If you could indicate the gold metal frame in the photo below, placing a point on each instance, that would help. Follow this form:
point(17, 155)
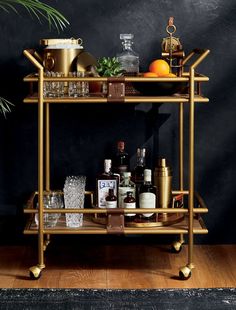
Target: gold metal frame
point(190, 77)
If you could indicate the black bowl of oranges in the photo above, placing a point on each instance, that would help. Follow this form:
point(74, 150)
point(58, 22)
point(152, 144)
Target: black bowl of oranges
point(159, 68)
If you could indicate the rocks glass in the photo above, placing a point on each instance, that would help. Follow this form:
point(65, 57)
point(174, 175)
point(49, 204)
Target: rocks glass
point(53, 89)
point(80, 88)
point(52, 200)
point(74, 191)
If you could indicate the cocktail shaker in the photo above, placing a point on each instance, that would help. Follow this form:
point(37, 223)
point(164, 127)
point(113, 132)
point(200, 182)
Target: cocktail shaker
point(163, 182)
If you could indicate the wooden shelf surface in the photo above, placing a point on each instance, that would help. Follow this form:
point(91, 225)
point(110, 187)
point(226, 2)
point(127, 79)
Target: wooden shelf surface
point(90, 227)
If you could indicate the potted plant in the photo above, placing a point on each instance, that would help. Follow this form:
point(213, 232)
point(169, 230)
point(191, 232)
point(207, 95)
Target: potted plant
point(40, 11)
point(108, 67)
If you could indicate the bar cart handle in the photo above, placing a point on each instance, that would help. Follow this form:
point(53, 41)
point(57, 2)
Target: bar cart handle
point(201, 54)
point(31, 54)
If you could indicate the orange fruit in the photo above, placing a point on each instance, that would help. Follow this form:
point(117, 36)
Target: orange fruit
point(170, 75)
point(150, 74)
point(160, 67)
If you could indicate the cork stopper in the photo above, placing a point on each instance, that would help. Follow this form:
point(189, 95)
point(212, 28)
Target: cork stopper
point(121, 145)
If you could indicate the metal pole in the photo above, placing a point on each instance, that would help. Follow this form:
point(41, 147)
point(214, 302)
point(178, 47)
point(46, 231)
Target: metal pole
point(181, 153)
point(191, 169)
point(47, 145)
point(40, 169)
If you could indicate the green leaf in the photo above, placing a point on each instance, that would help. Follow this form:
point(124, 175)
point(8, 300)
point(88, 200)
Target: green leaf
point(5, 106)
point(39, 10)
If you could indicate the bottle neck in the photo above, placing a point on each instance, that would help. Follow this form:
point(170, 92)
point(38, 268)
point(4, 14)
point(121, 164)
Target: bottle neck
point(141, 161)
point(126, 181)
point(121, 150)
point(147, 176)
point(107, 167)
point(121, 146)
point(127, 45)
point(147, 182)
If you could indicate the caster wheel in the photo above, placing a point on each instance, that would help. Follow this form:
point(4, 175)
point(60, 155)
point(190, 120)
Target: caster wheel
point(185, 273)
point(176, 247)
point(35, 272)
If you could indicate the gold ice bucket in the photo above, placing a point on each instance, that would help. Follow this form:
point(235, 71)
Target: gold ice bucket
point(66, 55)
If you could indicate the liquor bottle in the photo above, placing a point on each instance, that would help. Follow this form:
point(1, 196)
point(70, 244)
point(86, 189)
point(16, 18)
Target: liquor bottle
point(125, 186)
point(111, 199)
point(138, 173)
point(128, 58)
point(129, 203)
point(147, 195)
point(104, 182)
point(121, 160)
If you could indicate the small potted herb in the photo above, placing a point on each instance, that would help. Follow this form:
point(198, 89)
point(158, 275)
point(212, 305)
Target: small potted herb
point(108, 67)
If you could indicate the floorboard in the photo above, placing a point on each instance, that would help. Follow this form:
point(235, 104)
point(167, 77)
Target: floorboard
point(128, 266)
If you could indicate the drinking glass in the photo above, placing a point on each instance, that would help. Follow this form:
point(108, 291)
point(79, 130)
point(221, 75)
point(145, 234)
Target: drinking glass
point(78, 88)
point(53, 88)
point(74, 191)
point(49, 219)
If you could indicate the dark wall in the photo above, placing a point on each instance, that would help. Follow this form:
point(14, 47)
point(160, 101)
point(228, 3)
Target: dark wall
point(83, 135)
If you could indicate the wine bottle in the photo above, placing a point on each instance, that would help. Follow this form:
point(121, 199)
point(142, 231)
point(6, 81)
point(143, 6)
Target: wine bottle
point(138, 173)
point(147, 194)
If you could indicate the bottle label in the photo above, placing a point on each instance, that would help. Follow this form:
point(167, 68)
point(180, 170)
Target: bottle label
point(123, 193)
point(147, 200)
point(103, 191)
point(130, 205)
point(111, 204)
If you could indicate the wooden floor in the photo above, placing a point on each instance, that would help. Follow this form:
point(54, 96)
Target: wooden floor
point(118, 266)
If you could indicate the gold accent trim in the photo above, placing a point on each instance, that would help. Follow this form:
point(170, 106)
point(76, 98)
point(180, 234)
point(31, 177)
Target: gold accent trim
point(170, 220)
point(127, 99)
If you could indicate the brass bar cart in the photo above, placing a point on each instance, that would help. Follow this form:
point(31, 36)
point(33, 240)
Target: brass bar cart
point(191, 223)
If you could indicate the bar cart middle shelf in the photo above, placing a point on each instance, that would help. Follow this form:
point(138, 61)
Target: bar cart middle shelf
point(191, 222)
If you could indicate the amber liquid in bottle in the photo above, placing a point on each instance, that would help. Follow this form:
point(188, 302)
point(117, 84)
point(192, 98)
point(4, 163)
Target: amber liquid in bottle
point(111, 199)
point(121, 160)
point(130, 203)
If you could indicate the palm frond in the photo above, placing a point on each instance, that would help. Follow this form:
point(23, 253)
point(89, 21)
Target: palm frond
point(5, 106)
point(39, 10)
